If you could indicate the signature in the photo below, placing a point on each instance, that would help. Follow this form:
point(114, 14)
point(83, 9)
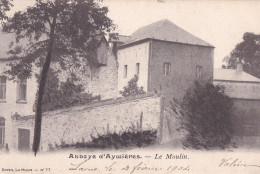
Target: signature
point(235, 162)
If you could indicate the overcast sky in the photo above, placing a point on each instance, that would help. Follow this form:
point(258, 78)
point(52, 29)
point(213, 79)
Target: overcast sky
point(220, 23)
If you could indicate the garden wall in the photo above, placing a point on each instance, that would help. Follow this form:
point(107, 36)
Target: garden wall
point(71, 125)
point(247, 112)
point(247, 122)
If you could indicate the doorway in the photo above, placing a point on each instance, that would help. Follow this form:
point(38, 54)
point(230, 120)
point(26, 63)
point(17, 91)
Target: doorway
point(23, 139)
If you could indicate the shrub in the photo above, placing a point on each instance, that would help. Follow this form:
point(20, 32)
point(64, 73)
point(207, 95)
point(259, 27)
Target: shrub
point(127, 139)
point(132, 88)
point(207, 117)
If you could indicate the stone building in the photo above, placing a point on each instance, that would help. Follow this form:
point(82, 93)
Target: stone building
point(166, 58)
point(102, 77)
point(17, 97)
point(99, 78)
point(244, 89)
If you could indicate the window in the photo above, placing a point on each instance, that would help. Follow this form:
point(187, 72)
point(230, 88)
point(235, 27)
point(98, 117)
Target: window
point(2, 130)
point(199, 72)
point(166, 69)
point(125, 71)
point(22, 88)
point(94, 72)
point(2, 88)
point(137, 69)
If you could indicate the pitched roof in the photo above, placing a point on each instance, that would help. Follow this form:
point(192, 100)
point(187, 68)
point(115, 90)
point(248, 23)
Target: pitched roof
point(119, 38)
point(167, 31)
point(233, 75)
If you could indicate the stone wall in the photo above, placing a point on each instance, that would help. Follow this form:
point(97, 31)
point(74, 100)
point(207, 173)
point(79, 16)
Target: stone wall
point(103, 80)
point(246, 98)
point(247, 122)
point(240, 89)
point(247, 112)
point(98, 80)
point(72, 124)
point(183, 59)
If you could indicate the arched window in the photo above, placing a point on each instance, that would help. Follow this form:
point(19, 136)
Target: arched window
point(2, 130)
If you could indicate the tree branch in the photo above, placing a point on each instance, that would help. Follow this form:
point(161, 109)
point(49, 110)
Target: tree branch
point(32, 45)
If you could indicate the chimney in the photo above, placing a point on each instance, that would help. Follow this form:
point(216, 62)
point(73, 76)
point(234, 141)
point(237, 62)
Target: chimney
point(239, 68)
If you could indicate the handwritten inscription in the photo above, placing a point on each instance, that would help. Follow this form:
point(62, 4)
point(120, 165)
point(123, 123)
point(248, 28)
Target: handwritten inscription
point(121, 164)
point(149, 163)
point(131, 169)
point(234, 162)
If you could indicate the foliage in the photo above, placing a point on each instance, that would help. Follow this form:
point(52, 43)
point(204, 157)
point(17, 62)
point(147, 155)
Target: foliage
point(246, 52)
point(75, 38)
point(64, 32)
point(5, 6)
point(128, 139)
point(122, 140)
point(58, 95)
point(132, 88)
point(207, 117)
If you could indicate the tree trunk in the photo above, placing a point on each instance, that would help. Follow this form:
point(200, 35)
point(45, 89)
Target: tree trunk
point(43, 77)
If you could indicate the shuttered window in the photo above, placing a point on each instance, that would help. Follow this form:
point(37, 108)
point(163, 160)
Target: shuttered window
point(22, 89)
point(2, 87)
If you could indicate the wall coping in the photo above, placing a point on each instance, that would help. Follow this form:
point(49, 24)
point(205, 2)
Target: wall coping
point(92, 105)
point(248, 99)
point(235, 81)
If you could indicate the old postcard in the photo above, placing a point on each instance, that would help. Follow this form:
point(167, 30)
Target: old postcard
point(129, 87)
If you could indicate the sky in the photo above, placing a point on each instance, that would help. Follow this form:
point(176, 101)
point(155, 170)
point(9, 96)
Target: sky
point(220, 23)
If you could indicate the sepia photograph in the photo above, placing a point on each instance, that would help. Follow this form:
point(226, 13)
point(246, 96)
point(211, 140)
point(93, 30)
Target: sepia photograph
point(129, 87)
